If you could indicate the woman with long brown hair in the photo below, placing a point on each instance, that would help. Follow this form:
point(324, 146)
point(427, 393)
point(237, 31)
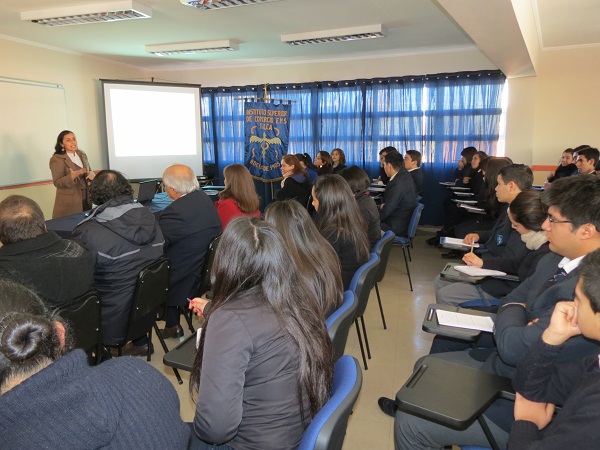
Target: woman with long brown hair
point(239, 197)
point(323, 162)
point(315, 258)
point(341, 224)
point(264, 365)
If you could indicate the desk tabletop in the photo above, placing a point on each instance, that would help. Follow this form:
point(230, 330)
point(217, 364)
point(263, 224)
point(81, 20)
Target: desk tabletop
point(182, 356)
point(451, 394)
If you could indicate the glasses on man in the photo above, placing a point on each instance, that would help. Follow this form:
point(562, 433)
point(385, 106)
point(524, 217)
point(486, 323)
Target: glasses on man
point(552, 219)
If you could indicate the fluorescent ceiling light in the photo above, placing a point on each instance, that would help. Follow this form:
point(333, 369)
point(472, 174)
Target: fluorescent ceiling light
point(338, 35)
point(88, 13)
point(188, 48)
point(220, 4)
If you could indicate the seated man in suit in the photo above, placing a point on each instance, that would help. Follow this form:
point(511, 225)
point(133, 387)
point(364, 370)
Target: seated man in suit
point(123, 237)
point(383, 177)
point(541, 382)
point(399, 198)
point(573, 230)
point(188, 225)
point(412, 163)
point(501, 241)
point(59, 270)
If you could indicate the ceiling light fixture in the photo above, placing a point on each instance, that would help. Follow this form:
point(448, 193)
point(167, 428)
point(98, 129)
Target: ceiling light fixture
point(88, 13)
point(188, 48)
point(204, 5)
point(338, 35)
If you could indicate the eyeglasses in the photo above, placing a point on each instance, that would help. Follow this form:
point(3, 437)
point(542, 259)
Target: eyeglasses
point(551, 219)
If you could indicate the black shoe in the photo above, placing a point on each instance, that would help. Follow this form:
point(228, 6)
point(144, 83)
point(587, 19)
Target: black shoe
point(388, 406)
point(172, 332)
point(453, 254)
point(137, 350)
point(434, 241)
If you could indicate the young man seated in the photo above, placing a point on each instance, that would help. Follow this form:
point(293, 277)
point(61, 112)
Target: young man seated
point(573, 230)
point(412, 163)
point(541, 383)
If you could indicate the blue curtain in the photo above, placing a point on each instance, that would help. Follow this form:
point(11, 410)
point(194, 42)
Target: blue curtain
point(437, 115)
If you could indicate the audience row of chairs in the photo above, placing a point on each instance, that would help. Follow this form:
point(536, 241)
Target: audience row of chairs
point(372, 272)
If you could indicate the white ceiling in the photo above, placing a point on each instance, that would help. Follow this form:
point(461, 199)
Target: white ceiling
point(410, 26)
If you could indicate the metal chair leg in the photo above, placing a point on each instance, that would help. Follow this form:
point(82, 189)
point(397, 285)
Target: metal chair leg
point(362, 321)
point(380, 307)
point(407, 268)
point(165, 349)
point(362, 349)
point(188, 318)
point(409, 255)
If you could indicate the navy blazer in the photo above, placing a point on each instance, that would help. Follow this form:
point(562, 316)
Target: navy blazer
point(512, 333)
point(188, 225)
point(399, 202)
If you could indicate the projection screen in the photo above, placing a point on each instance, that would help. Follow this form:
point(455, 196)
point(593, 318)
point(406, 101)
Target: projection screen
point(150, 126)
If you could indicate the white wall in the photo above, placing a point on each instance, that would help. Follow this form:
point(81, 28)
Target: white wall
point(79, 76)
point(556, 109)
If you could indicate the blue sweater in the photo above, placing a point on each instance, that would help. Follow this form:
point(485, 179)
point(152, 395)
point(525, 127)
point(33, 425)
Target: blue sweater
point(123, 403)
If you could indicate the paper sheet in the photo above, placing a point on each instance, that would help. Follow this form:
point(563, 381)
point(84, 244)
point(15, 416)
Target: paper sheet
point(468, 321)
point(457, 242)
point(478, 272)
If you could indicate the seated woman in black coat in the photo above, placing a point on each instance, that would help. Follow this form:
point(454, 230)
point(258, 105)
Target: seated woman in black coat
point(359, 182)
point(264, 364)
point(315, 259)
point(295, 184)
point(339, 160)
point(323, 162)
point(340, 222)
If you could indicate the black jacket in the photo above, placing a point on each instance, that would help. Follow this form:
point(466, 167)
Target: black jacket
point(400, 200)
point(188, 225)
point(297, 187)
point(59, 270)
point(123, 237)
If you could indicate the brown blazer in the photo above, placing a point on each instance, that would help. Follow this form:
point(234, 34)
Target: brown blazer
point(68, 192)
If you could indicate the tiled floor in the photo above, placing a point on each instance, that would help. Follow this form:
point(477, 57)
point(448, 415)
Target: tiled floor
point(394, 350)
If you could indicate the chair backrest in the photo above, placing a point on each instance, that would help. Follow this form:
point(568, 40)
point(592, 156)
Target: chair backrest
point(339, 323)
point(383, 248)
point(151, 294)
point(83, 314)
point(363, 281)
point(414, 220)
point(328, 428)
point(208, 262)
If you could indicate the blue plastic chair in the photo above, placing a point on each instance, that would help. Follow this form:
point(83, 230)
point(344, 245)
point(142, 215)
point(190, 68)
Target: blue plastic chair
point(361, 284)
point(328, 428)
point(406, 242)
point(339, 322)
point(383, 248)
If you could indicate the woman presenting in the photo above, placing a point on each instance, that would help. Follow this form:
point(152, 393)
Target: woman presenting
point(70, 173)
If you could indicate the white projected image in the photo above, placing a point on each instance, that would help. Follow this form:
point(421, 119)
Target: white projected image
point(153, 123)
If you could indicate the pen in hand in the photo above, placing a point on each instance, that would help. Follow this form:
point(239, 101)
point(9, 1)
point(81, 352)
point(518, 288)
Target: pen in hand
point(472, 244)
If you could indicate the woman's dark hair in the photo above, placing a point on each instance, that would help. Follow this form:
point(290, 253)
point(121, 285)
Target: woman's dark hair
point(250, 257)
point(291, 160)
point(342, 155)
point(338, 215)
point(58, 147)
point(109, 184)
point(493, 165)
point(315, 258)
point(357, 179)
point(327, 166)
point(468, 153)
point(240, 188)
point(28, 336)
point(306, 159)
point(528, 210)
point(569, 150)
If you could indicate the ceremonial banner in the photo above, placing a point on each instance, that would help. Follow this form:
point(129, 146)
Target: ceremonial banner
point(267, 130)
